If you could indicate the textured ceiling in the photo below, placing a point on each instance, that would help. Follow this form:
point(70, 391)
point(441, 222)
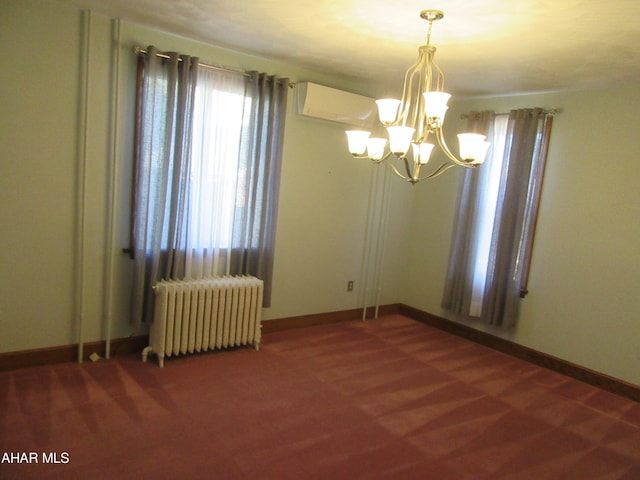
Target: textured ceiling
point(484, 46)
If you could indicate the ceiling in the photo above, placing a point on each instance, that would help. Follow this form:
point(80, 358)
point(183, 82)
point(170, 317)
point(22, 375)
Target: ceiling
point(484, 46)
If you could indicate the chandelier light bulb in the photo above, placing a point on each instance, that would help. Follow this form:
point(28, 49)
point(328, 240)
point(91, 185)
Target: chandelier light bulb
point(422, 152)
point(435, 104)
point(473, 147)
point(357, 141)
point(387, 110)
point(375, 148)
point(400, 139)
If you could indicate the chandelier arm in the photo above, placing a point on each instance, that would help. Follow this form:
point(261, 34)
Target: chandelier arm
point(368, 157)
point(406, 167)
point(445, 148)
point(438, 171)
point(386, 155)
point(439, 74)
point(415, 178)
point(406, 95)
point(411, 111)
point(429, 70)
point(425, 85)
point(397, 172)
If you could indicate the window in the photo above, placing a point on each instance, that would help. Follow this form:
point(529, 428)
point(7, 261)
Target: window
point(206, 176)
point(495, 222)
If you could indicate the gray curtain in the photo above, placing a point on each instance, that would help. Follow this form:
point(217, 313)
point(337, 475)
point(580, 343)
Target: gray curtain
point(518, 198)
point(525, 153)
point(459, 280)
point(164, 110)
point(260, 162)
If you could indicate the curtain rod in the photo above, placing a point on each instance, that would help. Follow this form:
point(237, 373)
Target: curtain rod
point(550, 113)
point(139, 50)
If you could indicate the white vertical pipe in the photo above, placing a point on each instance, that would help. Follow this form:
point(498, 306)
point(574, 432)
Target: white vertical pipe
point(366, 251)
point(82, 176)
point(382, 236)
point(113, 175)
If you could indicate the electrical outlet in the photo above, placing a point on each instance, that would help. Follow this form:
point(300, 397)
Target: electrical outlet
point(350, 286)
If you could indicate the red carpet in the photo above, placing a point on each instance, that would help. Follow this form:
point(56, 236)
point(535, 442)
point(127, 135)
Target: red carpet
point(387, 398)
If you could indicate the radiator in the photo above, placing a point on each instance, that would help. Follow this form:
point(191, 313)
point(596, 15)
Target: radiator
point(199, 315)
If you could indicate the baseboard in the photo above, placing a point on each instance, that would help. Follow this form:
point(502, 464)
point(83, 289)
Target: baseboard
point(535, 357)
point(270, 326)
point(69, 353)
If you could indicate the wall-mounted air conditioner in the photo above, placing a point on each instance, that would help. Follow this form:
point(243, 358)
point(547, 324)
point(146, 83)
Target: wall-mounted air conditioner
point(336, 105)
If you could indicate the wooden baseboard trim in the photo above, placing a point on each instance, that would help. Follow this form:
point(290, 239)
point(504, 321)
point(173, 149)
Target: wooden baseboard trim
point(530, 355)
point(276, 325)
point(69, 353)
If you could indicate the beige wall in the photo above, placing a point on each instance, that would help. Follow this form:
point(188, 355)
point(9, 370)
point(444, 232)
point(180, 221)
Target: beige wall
point(43, 290)
point(583, 304)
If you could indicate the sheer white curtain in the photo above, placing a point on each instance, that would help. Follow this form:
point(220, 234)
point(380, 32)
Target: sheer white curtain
point(221, 113)
point(489, 180)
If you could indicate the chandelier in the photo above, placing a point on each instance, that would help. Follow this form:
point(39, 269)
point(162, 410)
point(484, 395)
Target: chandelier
point(412, 122)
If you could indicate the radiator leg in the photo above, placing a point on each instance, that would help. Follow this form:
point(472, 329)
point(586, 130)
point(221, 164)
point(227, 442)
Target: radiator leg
point(256, 345)
point(145, 353)
point(161, 361)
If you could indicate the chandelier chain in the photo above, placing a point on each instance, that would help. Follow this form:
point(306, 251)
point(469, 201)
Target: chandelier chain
point(429, 32)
